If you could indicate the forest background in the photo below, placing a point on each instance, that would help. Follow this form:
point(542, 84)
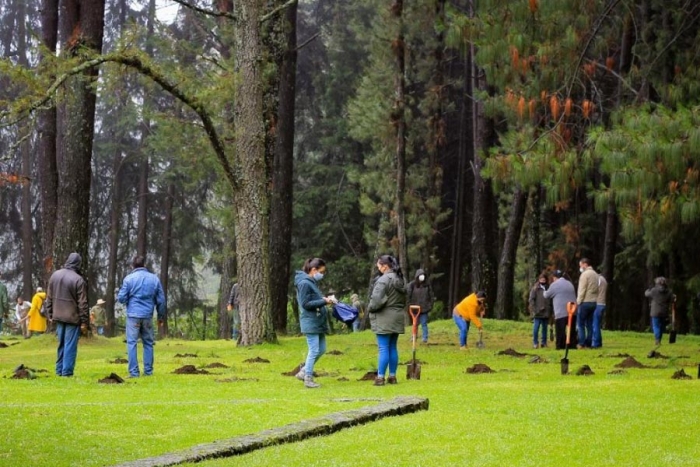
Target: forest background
point(482, 140)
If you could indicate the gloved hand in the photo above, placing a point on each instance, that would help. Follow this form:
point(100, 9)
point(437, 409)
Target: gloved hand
point(84, 329)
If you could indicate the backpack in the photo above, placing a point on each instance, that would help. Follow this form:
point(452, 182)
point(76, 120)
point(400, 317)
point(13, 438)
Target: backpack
point(42, 310)
point(345, 313)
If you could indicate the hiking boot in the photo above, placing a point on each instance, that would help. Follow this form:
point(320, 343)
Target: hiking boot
point(379, 381)
point(310, 383)
point(391, 380)
point(301, 374)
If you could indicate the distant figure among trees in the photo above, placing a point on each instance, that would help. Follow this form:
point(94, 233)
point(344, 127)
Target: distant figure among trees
point(420, 293)
point(661, 299)
point(540, 310)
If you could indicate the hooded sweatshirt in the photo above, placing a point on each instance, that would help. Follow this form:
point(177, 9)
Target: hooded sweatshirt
point(66, 297)
point(420, 293)
point(37, 323)
point(313, 315)
point(661, 299)
point(387, 304)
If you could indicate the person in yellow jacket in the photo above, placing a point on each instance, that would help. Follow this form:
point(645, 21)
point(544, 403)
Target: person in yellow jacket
point(469, 311)
point(37, 323)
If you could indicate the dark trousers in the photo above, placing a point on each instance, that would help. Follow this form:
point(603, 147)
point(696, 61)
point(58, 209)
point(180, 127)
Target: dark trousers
point(560, 331)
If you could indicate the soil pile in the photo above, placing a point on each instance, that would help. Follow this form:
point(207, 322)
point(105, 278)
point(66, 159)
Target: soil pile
point(216, 365)
point(335, 352)
point(630, 362)
point(190, 370)
point(113, 378)
point(680, 374)
point(615, 355)
point(183, 355)
point(537, 359)
point(294, 371)
point(479, 368)
point(585, 370)
point(369, 376)
point(257, 360)
point(3, 345)
point(655, 354)
point(617, 372)
point(23, 372)
point(512, 353)
point(119, 360)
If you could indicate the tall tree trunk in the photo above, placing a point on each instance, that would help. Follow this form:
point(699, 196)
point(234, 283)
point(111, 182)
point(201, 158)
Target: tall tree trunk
point(252, 235)
point(165, 255)
point(46, 145)
point(506, 266)
point(609, 251)
point(81, 24)
point(398, 118)
point(282, 177)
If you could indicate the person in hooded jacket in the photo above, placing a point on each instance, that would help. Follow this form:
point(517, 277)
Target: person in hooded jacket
point(540, 310)
point(420, 293)
point(661, 300)
point(67, 306)
point(313, 316)
point(37, 323)
point(386, 308)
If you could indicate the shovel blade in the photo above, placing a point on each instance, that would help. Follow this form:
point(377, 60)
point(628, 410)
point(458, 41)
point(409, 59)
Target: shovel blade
point(480, 345)
point(672, 337)
point(413, 371)
point(564, 366)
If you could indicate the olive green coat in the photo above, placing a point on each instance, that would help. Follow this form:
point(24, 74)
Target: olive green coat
point(387, 305)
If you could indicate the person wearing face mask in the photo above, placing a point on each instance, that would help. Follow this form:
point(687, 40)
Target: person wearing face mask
point(313, 315)
point(386, 309)
point(586, 300)
point(420, 293)
point(540, 310)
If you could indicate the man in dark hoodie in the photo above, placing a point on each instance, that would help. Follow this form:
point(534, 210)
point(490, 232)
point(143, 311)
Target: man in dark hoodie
point(67, 306)
point(661, 299)
point(420, 293)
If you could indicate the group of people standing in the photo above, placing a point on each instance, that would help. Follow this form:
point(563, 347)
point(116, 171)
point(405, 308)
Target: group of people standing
point(28, 316)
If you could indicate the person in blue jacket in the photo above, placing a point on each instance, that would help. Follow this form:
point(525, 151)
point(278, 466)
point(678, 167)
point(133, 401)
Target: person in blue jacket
point(313, 315)
point(141, 292)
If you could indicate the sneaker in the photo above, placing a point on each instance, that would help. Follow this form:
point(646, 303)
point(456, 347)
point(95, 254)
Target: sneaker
point(379, 381)
point(391, 380)
point(464, 347)
point(535, 346)
point(301, 374)
point(310, 383)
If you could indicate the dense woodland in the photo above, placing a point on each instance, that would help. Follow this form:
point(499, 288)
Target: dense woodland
point(482, 140)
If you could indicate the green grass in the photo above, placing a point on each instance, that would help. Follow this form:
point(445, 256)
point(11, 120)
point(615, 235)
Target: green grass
point(523, 415)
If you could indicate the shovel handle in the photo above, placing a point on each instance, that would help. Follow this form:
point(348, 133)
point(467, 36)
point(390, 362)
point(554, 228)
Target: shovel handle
point(570, 309)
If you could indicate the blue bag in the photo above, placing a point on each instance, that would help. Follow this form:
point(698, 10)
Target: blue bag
point(345, 313)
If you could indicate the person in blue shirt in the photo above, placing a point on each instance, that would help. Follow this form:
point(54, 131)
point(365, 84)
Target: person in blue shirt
point(141, 292)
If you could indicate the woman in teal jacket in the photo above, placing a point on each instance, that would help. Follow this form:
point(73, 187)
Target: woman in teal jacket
point(313, 315)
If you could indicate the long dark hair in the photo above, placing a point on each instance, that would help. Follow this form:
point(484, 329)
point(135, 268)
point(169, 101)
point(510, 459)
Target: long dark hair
point(313, 263)
point(388, 260)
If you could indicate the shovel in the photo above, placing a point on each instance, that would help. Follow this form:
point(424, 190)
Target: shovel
point(480, 344)
point(672, 334)
point(570, 309)
point(413, 369)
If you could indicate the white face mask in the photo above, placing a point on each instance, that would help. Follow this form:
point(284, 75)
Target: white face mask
point(581, 269)
point(421, 278)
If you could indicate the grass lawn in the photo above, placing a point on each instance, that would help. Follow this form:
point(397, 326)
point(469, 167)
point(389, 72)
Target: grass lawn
point(525, 414)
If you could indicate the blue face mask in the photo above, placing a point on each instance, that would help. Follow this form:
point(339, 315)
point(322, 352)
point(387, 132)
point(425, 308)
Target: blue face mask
point(318, 276)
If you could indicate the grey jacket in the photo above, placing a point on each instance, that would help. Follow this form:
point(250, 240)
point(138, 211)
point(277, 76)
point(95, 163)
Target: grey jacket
point(661, 299)
point(540, 307)
point(66, 297)
point(602, 290)
point(387, 304)
point(561, 291)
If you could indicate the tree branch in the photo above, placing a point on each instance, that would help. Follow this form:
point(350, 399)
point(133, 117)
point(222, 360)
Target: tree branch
point(218, 14)
point(272, 13)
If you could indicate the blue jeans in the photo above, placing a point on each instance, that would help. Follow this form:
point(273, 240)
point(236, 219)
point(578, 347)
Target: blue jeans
point(539, 323)
point(463, 326)
point(597, 324)
point(423, 319)
point(317, 347)
point(68, 335)
point(585, 323)
point(100, 330)
point(388, 354)
point(658, 323)
point(235, 324)
point(143, 328)
point(356, 325)
point(0, 324)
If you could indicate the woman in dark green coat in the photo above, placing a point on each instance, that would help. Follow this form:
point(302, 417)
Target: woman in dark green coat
point(386, 315)
point(313, 316)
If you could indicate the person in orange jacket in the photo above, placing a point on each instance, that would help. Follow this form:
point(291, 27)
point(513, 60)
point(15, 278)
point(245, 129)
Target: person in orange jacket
point(468, 311)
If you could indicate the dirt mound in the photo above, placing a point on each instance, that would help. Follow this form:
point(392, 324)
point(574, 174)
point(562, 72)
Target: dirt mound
point(680, 374)
point(335, 352)
point(655, 354)
point(294, 371)
point(479, 368)
point(585, 370)
point(369, 376)
point(617, 372)
point(216, 365)
point(184, 355)
point(119, 360)
point(537, 359)
point(410, 362)
point(615, 355)
point(190, 370)
point(257, 360)
point(233, 379)
point(113, 378)
point(3, 345)
point(630, 362)
point(24, 372)
point(511, 353)
point(343, 378)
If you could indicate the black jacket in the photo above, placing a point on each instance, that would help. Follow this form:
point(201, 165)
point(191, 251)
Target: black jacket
point(420, 293)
